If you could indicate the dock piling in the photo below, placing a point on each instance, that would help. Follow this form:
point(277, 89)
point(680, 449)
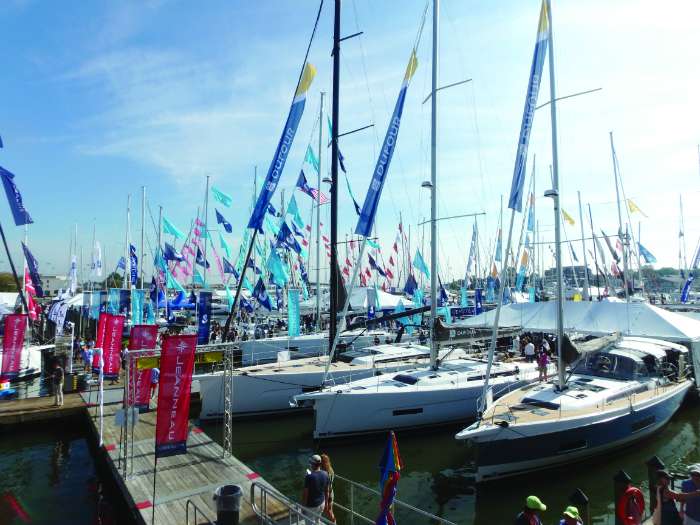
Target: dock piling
point(653, 466)
point(620, 483)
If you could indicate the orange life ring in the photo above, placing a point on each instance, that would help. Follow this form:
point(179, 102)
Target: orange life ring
point(631, 494)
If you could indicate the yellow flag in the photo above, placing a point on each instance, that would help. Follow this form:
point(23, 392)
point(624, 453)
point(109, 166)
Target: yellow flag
point(568, 218)
point(494, 271)
point(634, 208)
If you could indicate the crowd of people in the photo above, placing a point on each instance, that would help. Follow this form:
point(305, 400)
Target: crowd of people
point(534, 349)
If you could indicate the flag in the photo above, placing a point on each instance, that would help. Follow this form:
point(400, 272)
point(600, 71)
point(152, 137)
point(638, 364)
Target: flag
point(648, 257)
point(686, 288)
point(304, 187)
point(634, 208)
point(14, 199)
point(610, 247)
point(352, 195)
point(374, 266)
point(499, 256)
point(133, 264)
point(568, 218)
point(278, 269)
point(228, 268)
point(390, 469)
point(411, 285)
point(283, 147)
point(171, 254)
point(444, 298)
point(533, 87)
point(224, 245)
point(260, 294)
point(32, 305)
point(573, 253)
point(531, 214)
point(12, 344)
point(200, 259)
point(73, 275)
point(373, 244)
point(285, 238)
point(220, 220)
point(369, 208)
point(223, 198)
point(121, 264)
point(252, 266)
point(293, 210)
point(96, 267)
point(420, 265)
point(170, 229)
point(310, 157)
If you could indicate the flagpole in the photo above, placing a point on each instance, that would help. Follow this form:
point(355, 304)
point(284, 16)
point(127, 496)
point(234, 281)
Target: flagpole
point(433, 185)
point(143, 223)
point(586, 291)
point(622, 237)
point(158, 251)
point(318, 217)
point(206, 230)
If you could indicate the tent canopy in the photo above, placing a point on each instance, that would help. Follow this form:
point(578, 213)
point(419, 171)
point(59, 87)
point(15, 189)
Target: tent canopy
point(596, 318)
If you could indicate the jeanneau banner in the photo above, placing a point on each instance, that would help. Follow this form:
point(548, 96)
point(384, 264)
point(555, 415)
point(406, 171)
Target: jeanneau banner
point(142, 337)
point(112, 345)
point(12, 343)
point(515, 200)
point(369, 208)
point(176, 365)
point(283, 147)
point(99, 341)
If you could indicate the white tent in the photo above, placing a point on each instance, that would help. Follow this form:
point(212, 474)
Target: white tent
point(597, 318)
point(358, 301)
point(10, 300)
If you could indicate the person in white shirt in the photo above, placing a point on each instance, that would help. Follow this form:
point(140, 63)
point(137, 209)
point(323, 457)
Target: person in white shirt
point(529, 352)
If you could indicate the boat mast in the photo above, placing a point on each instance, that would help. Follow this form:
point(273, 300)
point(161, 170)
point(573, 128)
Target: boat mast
point(555, 195)
point(622, 236)
point(143, 225)
point(334, 178)
point(587, 285)
point(318, 217)
point(127, 258)
point(206, 232)
point(433, 186)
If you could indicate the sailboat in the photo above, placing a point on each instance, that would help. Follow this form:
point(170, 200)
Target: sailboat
point(618, 391)
point(438, 393)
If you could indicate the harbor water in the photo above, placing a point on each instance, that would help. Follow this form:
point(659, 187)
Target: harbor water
point(435, 477)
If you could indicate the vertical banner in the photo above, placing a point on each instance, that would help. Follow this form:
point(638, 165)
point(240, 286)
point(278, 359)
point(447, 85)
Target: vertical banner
point(124, 302)
point(104, 299)
point(87, 303)
point(99, 340)
point(137, 299)
point(293, 328)
point(12, 343)
point(112, 345)
point(478, 301)
point(142, 337)
point(176, 366)
point(203, 317)
point(113, 301)
point(95, 303)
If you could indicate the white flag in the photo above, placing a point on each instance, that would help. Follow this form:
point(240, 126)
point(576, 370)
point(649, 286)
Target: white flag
point(97, 260)
point(73, 275)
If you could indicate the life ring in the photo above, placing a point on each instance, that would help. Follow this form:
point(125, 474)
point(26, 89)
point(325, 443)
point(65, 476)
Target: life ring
point(631, 494)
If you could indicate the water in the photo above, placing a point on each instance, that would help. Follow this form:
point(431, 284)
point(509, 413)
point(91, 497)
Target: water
point(435, 478)
point(49, 477)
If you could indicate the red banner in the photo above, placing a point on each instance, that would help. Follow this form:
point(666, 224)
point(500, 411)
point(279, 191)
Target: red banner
point(142, 337)
point(12, 343)
point(99, 342)
point(176, 366)
point(112, 346)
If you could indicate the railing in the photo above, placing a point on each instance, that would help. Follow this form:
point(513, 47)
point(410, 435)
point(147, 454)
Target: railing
point(263, 498)
point(196, 511)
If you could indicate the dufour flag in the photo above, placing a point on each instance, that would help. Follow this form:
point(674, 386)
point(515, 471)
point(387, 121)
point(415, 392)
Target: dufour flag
point(133, 264)
point(171, 229)
point(12, 343)
point(685, 293)
point(648, 257)
point(374, 192)
point(283, 147)
point(223, 198)
point(33, 267)
point(204, 317)
point(176, 366)
point(533, 88)
point(260, 293)
point(224, 245)
point(14, 198)
point(221, 220)
point(112, 345)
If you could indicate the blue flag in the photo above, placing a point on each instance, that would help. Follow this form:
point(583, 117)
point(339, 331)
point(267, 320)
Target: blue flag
point(373, 264)
point(260, 294)
point(14, 198)
point(686, 289)
point(285, 238)
point(411, 285)
point(171, 254)
point(515, 200)
point(33, 267)
point(203, 318)
point(200, 259)
point(134, 264)
point(220, 220)
point(369, 208)
point(121, 264)
point(283, 147)
point(648, 257)
point(228, 267)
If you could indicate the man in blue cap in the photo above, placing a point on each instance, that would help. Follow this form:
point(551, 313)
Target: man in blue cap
point(530, 515)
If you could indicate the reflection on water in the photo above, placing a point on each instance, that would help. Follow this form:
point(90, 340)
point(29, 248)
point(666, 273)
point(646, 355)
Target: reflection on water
point(435, 477)
point(48, 477)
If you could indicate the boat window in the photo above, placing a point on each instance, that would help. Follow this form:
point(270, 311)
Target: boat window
point(405, 378)
point(540, 404)
point(608, 365)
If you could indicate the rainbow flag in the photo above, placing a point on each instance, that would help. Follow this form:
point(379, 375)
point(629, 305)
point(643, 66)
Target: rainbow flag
point(390, 467)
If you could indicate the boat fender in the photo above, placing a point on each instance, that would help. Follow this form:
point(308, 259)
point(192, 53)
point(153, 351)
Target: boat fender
point(631, 495)
point(502, 424)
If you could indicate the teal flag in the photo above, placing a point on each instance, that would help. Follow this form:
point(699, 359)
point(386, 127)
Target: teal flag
point(531, 294)
point(229, 297)
point(463, 294)
point(373, 244)
point(304, 290)
point(113, 301)
point(293, 210)
point(171, 282)
point(310, 157)
point(137, 299)
point(170, 229)
point(259, 250)
point(445, 310)
point(197, 278)
point(150, 314)
point(403, 320)
point(420, 265)
point(417, 303)
point(293, 321)
point(224, 245)
point(271, 227)
point(247, 285)
point(223, 198)
point(278, 269)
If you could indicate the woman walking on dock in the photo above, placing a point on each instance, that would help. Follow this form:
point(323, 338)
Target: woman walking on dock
point(328, 468)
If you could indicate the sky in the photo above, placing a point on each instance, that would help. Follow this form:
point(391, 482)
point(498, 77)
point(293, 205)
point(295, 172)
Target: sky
point(102, 98)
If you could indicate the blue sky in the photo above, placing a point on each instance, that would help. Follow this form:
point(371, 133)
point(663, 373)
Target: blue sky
point(101, 98)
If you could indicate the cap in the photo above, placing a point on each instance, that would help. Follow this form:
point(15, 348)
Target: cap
point(663, 474)
point(534, 503)
point(572, 512)
point(315, 459)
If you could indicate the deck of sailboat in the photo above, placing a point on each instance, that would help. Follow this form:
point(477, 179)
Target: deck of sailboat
point(506, 406)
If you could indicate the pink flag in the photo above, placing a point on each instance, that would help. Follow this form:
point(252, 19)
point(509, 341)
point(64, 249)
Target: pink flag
point(111, 348)
point(12, 343)
point(176, 366)
point(142, 337)
point(99, 342)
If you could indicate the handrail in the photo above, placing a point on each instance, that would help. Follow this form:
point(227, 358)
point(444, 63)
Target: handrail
point(296, 513)
point(197, 510)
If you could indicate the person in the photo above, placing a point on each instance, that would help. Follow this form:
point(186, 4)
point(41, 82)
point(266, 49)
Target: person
point(545, 345)
point(666, 512)
point(316, 487)
point(529, 351)
point(58, 378)
point(690, 510)
point(516, 346)
point(155, 377)
point(530, 515)
point(328, 469)
point(542, 362)
point(570, 516)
